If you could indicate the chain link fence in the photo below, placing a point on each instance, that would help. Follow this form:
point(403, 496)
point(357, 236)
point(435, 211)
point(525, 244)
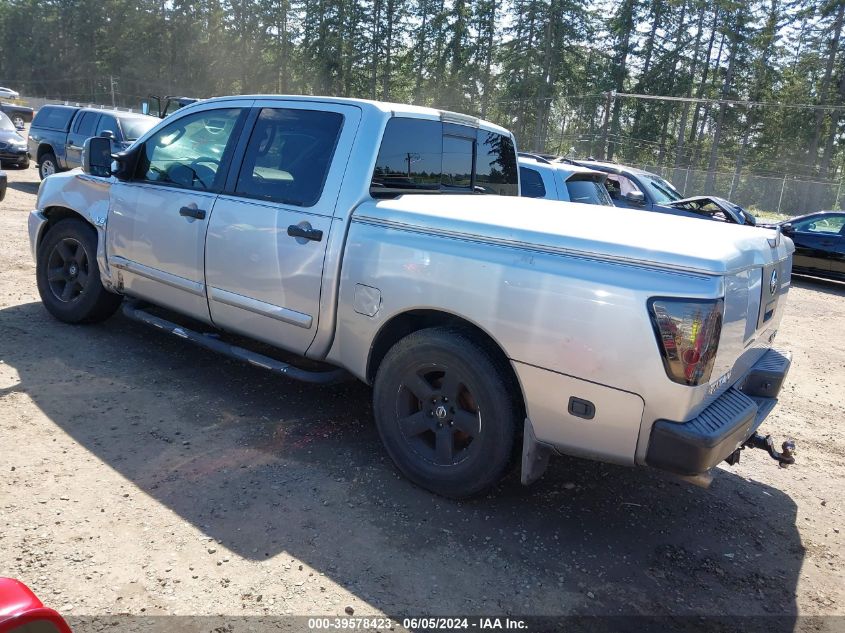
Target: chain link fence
point(783, 195)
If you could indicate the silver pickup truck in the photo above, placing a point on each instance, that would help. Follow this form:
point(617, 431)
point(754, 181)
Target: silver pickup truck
point(385, 242)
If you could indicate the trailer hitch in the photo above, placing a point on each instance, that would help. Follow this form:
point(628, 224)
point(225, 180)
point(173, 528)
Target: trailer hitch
point(784, 458)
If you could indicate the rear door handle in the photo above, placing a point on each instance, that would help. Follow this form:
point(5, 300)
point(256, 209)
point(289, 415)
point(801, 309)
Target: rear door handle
point(315, 235)
point(192, 212)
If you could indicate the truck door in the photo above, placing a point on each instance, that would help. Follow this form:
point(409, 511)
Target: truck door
point(158, 219)
point(81, 130)
point(267, 237)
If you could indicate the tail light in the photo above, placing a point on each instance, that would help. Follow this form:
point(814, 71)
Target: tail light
point(688, 332)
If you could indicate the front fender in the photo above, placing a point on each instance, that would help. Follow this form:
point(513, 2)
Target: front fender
point(84, 195)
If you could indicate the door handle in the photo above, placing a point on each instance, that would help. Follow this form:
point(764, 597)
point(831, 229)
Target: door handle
point(192, 212)
point(315, 235)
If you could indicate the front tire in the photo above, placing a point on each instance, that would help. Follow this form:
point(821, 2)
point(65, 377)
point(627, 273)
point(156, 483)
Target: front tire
point(47, 166)
point(447, 412)
point(68, 275)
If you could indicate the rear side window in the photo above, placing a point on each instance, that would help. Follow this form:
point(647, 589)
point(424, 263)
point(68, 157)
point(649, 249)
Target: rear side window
point(410, 158)
point(54, 117)
point(531, 183)
point(423, 156)
point(288, 156)
point(588, 192)
point(86, 124)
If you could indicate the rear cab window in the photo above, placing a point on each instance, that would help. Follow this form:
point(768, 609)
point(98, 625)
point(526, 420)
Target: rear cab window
point(426, 156)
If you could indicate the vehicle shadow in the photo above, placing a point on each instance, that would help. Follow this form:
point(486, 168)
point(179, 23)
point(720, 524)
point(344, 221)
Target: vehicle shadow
point(827, 286)
point(25, 187)
point(265, 465)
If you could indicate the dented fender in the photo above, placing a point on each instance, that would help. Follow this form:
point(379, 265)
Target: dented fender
point(83, 194)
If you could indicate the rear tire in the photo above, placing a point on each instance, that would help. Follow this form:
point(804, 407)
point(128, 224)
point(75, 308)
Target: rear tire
point(47, 165)
point(447, 412)
point(68, 275)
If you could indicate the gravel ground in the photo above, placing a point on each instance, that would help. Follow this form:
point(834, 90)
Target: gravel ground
point(145, 476)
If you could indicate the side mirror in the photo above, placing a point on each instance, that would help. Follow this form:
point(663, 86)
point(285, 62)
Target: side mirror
point(787, 228)
point(96, 156)
point(635, 197)
point(107, 134)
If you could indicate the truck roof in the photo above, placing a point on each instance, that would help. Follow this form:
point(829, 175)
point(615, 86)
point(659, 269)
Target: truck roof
point(396, 109)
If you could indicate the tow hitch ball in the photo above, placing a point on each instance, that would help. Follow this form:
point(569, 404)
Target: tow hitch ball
point(784, 459)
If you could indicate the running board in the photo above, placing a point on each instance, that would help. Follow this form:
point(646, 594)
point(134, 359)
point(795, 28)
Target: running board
point(132, 311)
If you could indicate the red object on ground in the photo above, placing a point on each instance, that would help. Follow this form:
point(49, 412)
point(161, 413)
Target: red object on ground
point(19, 606)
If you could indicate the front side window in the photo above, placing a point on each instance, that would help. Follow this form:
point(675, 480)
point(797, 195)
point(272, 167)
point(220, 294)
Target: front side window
point(588, 192)
point(831, 224)
point(620, 186)
point(6, 123)
point(424, 156)
point(108, 124)
point(531, 183)
point(191, 151)
point(289, 155)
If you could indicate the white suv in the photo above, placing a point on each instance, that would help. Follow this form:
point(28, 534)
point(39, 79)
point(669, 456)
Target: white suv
point(542, 178)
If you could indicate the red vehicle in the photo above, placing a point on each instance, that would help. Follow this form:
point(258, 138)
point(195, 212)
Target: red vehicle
point(22, 612)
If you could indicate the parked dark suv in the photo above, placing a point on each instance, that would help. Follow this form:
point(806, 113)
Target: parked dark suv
point(58, 133)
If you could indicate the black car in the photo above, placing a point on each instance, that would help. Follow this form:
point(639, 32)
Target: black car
point(12, 144)
point(638, 189)
point(18, 114)
point(819, 243)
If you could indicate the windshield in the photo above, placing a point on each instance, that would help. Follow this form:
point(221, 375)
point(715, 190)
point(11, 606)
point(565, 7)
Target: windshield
point(6, 122)
point(134, 127)
point(661, 190)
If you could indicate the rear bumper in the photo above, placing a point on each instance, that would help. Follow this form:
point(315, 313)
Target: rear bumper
point(694, 447)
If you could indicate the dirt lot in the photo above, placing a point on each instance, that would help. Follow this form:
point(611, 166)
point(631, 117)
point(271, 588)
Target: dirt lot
point(142, 475)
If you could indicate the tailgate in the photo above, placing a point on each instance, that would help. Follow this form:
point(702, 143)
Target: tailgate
point(754, 303)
